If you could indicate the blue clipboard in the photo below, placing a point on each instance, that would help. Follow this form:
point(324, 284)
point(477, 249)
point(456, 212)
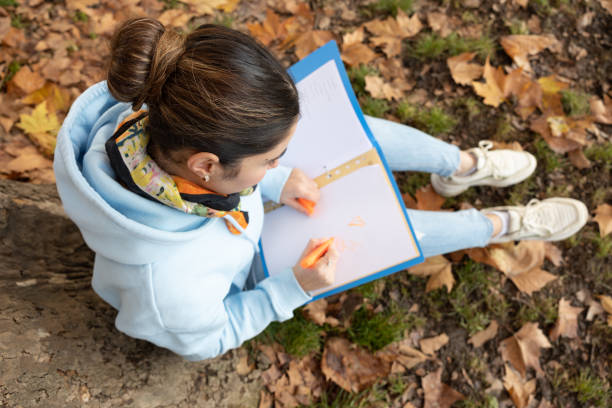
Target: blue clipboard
point(326, 53)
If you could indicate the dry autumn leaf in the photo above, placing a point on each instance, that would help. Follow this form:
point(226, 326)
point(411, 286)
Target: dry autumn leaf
point(520, 390)
point(567, 321)
point(433, 344)
point(603, 217)
point(310, 41)
point(389, 33)
point(492, 89)
point(462, 70)
point(519, 47)
point(350, 366)
point(602, 110)
point(58, 99)
point(402, 353)
point(378, 88)
point(521, 263)
point(439, 270)
point(316, 312)
point(522, 350)
point(485, 335)
point(428, 200)
point(271, 29)
point(41, 127)
point(25, 81)
point(578, 159)
point(209, 6)
point(606, 303)
point(437, 394)
point(354, 51)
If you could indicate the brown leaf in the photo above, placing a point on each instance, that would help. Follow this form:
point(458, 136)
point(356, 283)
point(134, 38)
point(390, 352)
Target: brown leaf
point(310, 41)
point(522, 350)
point(553, 254)
point(175, 18)
point(578, 159)
point(518, 47)
point(27, 159)
point(462, 71)
point(520, 391)
point(433, 344)
point(317, 312)
point(557, 144)
point(389, 33)
point(606, 303)
point(438, 395)
point(265, 399)
point(25, 81)
point(491, 90)
point(567, 321)
point(607, 4)
point(354, 52)
point(516, 146)
point(602, 110)
point(378, 88)
point(485, 335)
point(521, 263)
point(439, 270)
point(350, 366)
point(402, 353)
point(58, 99)
point(243, 367)
point(427, 199)
point(603, 217)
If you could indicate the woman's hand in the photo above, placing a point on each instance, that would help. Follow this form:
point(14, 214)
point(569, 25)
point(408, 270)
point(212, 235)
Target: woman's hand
point(321, 274)
point(299, 185)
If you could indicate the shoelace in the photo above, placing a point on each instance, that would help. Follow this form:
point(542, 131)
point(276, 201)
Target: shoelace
point(532, 221)
point(485, 146)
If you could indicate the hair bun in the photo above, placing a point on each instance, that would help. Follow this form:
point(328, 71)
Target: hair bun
point(143, 55)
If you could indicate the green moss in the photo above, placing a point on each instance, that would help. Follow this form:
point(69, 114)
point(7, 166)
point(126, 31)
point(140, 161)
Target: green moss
point(387, 7)
point(80, 16)
point(371, 290)
point(604, 245)
point(575, 103)
point(298, 336)
point(505, 130)
point(471, 105)
point(412, 181)
point(590, 389)
point(171, 4)
point(226, 20)
point(8, 3)
point(17, 22)
point(431, 120)
point(375, 330)
point(374, 107)
point(522, 192)
point(468, 296)
point(517, 27)
point(545, 155)
point(537, 308)
point(481, 401)
point(357, 76)
point(432, 45)
point(601, 152)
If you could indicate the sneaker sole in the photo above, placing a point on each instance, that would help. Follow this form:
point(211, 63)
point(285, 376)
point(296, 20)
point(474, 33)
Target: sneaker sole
point(583, 217)
point(450, 190)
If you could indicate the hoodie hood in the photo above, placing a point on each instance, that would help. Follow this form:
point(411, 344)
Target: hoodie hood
point(114, 221)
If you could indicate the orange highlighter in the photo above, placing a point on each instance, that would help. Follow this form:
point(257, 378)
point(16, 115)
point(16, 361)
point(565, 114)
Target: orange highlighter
point(307, 204)
point(309, 260)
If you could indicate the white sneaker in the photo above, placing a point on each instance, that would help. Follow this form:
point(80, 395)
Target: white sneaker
point(552, 219)
point(499, 168)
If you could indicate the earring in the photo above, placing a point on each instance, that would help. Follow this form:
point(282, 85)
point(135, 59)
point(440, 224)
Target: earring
point(206, 178)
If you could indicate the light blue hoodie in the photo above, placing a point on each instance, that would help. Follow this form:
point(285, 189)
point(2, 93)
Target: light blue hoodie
point(175, 278)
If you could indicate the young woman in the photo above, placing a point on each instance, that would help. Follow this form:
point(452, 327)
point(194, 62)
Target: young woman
point(163, 167)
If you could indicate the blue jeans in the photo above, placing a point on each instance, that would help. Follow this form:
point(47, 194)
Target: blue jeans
point(406, 148)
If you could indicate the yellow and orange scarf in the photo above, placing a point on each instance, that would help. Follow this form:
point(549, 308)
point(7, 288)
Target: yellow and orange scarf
point(138, 172)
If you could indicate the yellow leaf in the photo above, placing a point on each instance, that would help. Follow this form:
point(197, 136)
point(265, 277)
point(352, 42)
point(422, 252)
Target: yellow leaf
point(41, 126)
point(207, 6)
point(58, 99)
point(491, 90)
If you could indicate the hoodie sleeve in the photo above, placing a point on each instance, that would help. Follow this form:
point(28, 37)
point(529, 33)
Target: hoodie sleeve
point(274, 181)
point(199, 321)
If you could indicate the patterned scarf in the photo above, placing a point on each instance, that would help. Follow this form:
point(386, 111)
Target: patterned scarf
point(138, 172)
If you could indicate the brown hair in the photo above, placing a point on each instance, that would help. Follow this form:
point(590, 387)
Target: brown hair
point(214, 90)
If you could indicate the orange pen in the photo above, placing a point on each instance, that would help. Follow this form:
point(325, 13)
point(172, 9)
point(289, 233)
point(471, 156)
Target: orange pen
point(307, 204)
point(309, 260)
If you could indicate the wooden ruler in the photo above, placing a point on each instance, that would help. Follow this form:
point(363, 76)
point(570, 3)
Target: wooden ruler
point(369, 158)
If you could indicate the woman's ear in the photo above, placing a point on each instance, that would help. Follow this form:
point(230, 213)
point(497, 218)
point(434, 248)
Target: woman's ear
point(203, 164)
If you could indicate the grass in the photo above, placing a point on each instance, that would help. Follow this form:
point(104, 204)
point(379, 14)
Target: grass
point(388, 7)
point(575, 103)
point(545, 155)
point(517, 27)
point(80, 16)
point(17, 22)
point(8, 3)
point(357, 76)
point(601, 152)
point(432, 45)
point(590, 389)
point(504, 130)
point(298, 336)
point(171, 4)
point(538, 308)
point(374, 331)
point(434, 121)
point(522, 192)
point(486, 401)
point(226, 20)
point(471, 105)
point(374, 107)
point(604, 245)
point(412, 181)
